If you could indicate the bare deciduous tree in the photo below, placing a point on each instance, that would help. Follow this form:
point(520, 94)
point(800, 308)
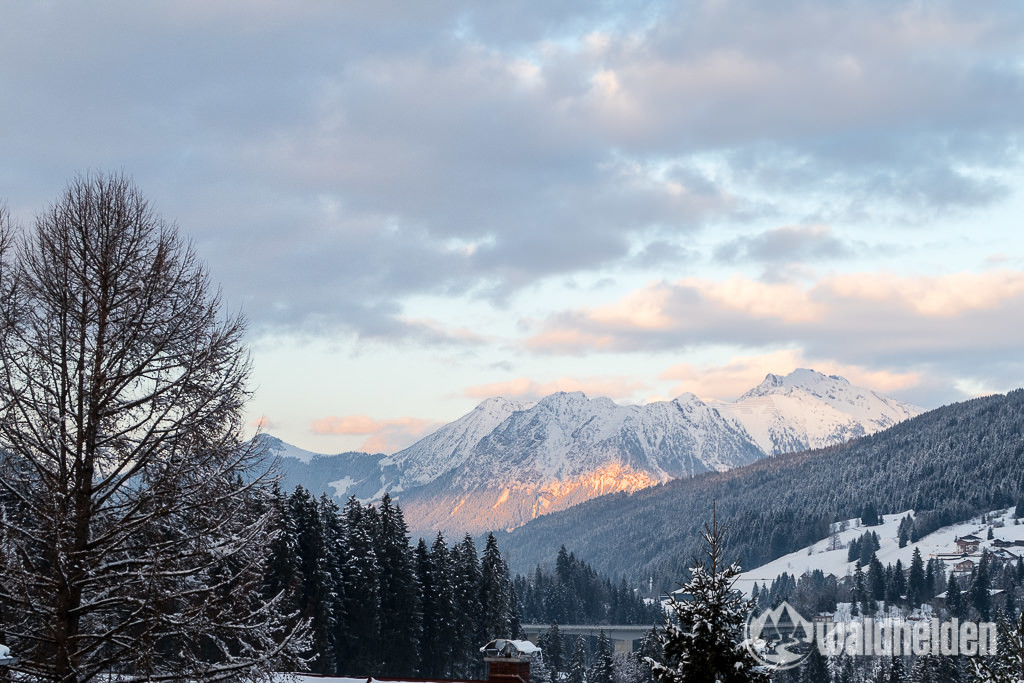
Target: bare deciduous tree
point(135, 520)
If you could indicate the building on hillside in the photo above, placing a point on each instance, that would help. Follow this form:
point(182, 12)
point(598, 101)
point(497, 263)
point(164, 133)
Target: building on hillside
point(968, 544)
point(963, 567)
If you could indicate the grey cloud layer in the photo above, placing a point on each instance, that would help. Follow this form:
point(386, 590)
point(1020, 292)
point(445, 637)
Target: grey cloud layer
point(958, 329)
point(331, 160)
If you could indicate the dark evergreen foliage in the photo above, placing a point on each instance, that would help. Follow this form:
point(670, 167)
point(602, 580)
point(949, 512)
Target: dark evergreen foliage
point(703, 638)
point(780, 504)
point(379, 606)
point(603, 670)
point(576, 594)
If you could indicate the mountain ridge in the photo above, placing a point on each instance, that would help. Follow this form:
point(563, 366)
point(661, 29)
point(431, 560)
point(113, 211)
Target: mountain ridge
point(506, 462)
point(947, 464)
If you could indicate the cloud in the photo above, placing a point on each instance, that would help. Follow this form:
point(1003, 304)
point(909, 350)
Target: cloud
point(943, 296)
point(961, 323)
point(524, 388)
point(785, 245)
point(384, 436)
point(326, 158)
point(263, 423)
point(742, 373)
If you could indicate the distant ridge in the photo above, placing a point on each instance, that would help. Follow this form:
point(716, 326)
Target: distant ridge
point(948, 464)
point(507, 462)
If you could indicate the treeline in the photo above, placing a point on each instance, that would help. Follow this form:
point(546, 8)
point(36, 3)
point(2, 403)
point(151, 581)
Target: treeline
point(379, 606)
point(579, 659)
point(576, 594)
point(992, 591)
point(948, 465)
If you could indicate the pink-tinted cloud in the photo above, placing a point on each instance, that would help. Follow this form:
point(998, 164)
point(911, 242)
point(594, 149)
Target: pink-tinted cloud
point(383, 436)
point(741, 373)
point(263, 423)
point(942, 296)
point(866, 310)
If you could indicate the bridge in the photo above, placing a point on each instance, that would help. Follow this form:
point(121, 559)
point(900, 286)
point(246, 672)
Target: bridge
point(622, 636)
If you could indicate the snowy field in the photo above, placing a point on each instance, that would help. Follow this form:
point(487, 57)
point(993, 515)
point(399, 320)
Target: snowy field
point(310, 678)
point(942, 541)
point(313, 678)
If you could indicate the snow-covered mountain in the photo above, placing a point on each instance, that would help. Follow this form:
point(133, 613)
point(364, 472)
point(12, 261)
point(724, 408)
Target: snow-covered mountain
point(507, 462)
point(806, 409)
point(450, 446)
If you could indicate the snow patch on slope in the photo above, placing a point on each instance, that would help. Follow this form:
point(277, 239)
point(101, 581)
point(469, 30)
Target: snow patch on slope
point(286, 450)
point(807, 409)
point(942, 541)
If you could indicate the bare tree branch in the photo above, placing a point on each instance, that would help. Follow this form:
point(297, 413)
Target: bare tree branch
point(135, 518)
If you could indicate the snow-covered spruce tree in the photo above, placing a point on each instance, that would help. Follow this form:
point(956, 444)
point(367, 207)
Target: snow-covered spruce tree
point(703, 640)
point(137, 520)
point(438, 644)
point(401, 616)
point(496, 615)
point(553, 649)
point(357, 646)
point(603, 669)
point(466, 589)
point(1008, 662)
point(578, 662)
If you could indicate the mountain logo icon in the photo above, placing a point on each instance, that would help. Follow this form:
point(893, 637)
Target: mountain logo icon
point(780, 638)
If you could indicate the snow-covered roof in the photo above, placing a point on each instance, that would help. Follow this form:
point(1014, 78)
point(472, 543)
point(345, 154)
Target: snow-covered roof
point(501, 647)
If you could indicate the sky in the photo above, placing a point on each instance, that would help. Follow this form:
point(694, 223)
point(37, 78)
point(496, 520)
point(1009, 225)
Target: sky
point(421, 205)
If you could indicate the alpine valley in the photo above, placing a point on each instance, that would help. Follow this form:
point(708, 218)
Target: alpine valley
point(507, 462)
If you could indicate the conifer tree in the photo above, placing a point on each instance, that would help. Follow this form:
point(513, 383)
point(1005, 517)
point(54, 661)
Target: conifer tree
point(282, 573)
point(553, 651)
point(495, 589)
point(896, 674)
point(704, 642)
point(869, 515)
point(648, 651)
point(431, 664)
point(954, 597)
point(898, 584)
point(466, 589)
point(438, 641)
point(1008, 662)
point(603, 670)
point(916, 584)
point(876, 579)
point(335, 556)
point(980, 598)
point(578, 662)
point(400, 615)
point(858, 593)
point(315, 589)
point(358, 654)
point(814, 669)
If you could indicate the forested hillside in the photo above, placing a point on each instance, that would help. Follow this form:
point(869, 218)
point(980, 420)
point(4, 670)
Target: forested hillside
point(378, 605)
point(947, 464)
